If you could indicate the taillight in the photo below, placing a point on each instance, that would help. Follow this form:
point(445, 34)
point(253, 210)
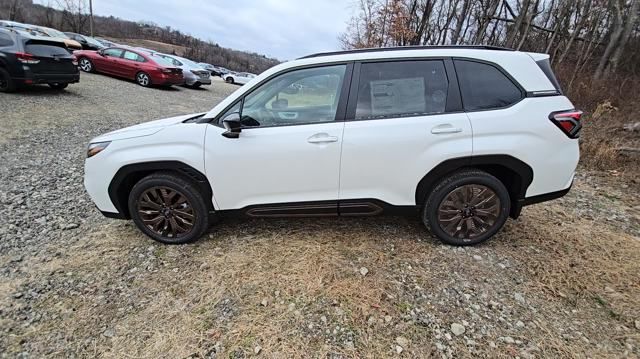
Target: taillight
point(164, 70)
point(26, 58)
point(74, 60)
point(568, 122)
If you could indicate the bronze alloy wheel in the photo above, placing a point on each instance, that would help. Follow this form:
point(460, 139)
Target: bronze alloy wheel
point(469, 211)
point(166, 212)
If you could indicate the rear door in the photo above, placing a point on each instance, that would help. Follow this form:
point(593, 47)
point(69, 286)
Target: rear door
point(404, 117)
point(130, 63)
point(54, 58)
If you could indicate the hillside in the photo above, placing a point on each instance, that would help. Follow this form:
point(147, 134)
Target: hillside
point(74, 18)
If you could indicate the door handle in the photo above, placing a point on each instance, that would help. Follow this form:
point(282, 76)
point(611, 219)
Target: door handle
point(322, 138)
point(443, 129)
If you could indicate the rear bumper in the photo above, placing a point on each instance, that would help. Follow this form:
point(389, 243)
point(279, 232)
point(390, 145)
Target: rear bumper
point(49, 78)
point(169, 81)
point(517, 208)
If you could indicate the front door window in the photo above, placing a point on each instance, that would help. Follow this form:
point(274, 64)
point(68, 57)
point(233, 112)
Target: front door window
point(295, 98)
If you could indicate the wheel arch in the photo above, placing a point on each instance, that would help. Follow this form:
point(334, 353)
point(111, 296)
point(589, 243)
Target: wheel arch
point(515, 174)
point(127, 176)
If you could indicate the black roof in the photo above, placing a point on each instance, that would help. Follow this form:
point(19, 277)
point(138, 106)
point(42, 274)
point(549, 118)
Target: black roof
point(401, 48)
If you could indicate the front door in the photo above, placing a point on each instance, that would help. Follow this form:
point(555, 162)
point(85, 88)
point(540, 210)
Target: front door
point(288, 151)
point(107, 63)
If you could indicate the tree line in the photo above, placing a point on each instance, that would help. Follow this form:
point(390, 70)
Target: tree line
point(73, 15)
point(598, 37)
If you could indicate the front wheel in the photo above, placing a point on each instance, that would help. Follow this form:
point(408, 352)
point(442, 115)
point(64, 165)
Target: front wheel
point(143, 79)
point(85, 65)
point(229, 80)
point(168, 208)
point(467, 208)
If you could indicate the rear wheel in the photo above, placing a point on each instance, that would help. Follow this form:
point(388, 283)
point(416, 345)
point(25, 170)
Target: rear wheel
point(143, 79)
point(58, 86)
point(6, 83)
point(85, 65)
point(467, 207)
point(168, 209)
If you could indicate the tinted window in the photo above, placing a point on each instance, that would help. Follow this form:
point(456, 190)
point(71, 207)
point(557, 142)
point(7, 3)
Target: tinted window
point(46, 50)
point(483, 86)
point(133, 56)
point(545, 66)
point(5, 40)
point(401, 88)
point(113, 52)
point(296, 97)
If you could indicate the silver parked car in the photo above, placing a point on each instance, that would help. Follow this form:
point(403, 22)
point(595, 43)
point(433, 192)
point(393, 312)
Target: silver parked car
point(194, 75)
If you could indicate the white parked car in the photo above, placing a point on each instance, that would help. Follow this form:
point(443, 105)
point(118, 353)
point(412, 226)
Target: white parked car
point(239, 78)
point(463, 137)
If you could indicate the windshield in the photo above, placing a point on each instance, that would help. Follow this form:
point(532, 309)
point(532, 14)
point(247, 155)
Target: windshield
point(55, 33)
point(93, 41)
point(162, 60)
point(189, 62)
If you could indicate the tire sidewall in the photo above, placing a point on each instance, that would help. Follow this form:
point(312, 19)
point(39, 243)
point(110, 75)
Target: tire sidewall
point(86, 60)
point(430, 213)
point(148, 78)
point(11, 86)
point(195, 198)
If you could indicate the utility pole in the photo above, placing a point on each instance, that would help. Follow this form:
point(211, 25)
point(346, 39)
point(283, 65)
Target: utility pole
point(91, 17)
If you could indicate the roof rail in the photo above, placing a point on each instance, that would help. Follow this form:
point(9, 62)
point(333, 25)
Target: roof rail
point(401, 48)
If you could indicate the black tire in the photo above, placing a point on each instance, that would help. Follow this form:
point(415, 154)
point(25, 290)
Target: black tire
point(196, 85)
point(86, 65)
point(58, 86)
point(171, 211)
point(229, 80)
point(143, 79)
point(450, 211)
point(6, 83)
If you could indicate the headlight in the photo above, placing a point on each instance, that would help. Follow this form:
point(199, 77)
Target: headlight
point(95, 148)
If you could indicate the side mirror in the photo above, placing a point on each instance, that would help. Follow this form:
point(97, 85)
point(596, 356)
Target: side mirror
point(101, 53)
point(232, 125)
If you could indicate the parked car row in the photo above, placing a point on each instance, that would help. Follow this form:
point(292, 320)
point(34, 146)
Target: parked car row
point(31, 54)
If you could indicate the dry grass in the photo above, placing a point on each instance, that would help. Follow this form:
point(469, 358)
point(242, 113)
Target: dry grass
point(192, 300)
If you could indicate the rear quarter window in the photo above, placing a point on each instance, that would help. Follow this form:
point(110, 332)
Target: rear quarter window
point(484, 86)
point(5, 40)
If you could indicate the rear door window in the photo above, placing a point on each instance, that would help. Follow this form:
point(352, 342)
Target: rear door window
point(133, 56)
point(484, 86)
point(401, 89)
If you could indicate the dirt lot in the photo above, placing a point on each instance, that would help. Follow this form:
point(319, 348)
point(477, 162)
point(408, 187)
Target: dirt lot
point(562, 281)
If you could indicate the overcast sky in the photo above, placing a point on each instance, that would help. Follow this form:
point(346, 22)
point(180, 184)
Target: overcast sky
point(285, 29)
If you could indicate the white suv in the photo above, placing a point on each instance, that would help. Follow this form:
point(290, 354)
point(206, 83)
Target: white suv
point(462, 136)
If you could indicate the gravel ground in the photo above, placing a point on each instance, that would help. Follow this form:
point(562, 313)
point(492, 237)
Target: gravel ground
point(562, 281)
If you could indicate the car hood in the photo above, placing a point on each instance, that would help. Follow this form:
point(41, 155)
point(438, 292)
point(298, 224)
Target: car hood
point(144, 129)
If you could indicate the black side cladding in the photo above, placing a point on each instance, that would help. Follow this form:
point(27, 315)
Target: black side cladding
point(545, 66)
